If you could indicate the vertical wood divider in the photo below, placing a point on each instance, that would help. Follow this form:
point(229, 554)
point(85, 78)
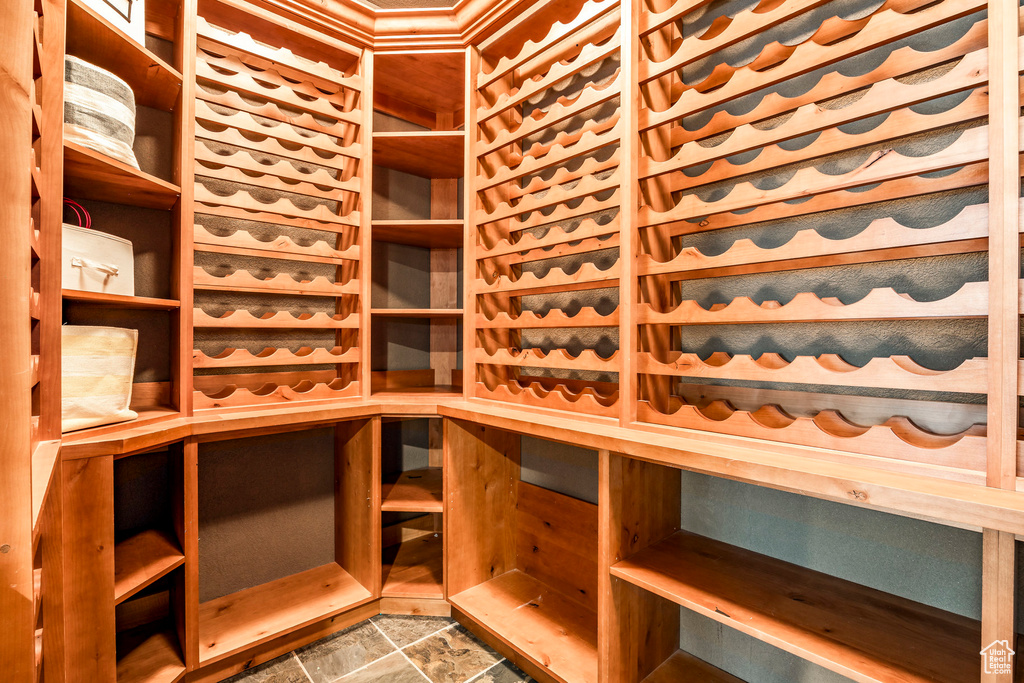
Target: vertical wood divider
point(89, 625)
point(629, 105)
point(51, 218)
point(469, 236)
point(998, 575)
point(365, 218)
point(17, 651)
point(190, 548)
point(183, 216)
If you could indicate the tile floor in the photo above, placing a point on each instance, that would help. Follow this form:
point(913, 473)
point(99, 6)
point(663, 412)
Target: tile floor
point(394, 649)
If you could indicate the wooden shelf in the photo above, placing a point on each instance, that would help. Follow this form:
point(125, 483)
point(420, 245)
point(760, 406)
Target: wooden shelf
point(416, 86)
point(554, 634)
point(91, 175)
point(142, 560)
point(147, 416)
point(431, 234)
point(256, 615)
point(417, 312)
point(430, 154)
point(683, 666)
point(415, 491)
point(92, 38)
point(856, 631)
point(415, 568)
point(119, 300)
point(156, 659)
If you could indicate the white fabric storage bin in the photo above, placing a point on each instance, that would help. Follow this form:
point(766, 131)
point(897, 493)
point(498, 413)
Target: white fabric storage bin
point(93, 261)
point(97, 369)
point(127, 15)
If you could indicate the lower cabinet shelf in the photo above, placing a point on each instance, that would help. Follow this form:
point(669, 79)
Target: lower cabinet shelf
point(253, 616)
point(153, 658)
point(552, 632)
point(685, 667)
point(854, 630)
point(141, 560)
point(415, 568)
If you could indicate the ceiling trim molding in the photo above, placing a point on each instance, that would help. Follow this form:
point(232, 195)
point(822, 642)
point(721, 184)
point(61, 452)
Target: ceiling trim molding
point(353, 21)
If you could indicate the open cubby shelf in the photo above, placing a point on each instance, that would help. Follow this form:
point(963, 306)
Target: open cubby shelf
point(428, 154)
point(91, 175)
point(414, 568)
point(853, 630)
point(92, 38)
point(154, 656)
point(242, 620)
point(418, 490)
point(416, 84)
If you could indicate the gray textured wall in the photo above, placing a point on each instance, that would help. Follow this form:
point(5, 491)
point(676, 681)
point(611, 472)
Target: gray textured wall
point(266, 509)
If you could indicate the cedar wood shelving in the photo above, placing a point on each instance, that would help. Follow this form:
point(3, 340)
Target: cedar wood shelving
point(638, 568)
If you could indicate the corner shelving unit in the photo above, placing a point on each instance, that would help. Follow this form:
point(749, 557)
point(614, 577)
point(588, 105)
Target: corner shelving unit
point(429, 145)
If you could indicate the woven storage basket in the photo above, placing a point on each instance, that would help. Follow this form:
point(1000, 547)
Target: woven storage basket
point(97, 368)
point(99, 110)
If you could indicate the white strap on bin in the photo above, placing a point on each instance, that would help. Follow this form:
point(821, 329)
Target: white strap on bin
point(79, 262)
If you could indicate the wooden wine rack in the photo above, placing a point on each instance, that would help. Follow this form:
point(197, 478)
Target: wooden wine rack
point(286, 133)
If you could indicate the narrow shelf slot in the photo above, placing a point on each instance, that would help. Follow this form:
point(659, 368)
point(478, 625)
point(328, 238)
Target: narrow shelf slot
point(119, 300)
point(92, 38)
point(91, 175)
point(418, 312)
point(256, 615)
point(854, 630)
point(151, 657)
point(683, 666)
point(415, 568)
point(414, 491)
point(429, 154)
point(141, 560)
point(553, 632)
point(429, 234)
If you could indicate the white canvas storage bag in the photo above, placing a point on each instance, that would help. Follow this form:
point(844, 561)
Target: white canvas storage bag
point(97, 370)
point(93, 261)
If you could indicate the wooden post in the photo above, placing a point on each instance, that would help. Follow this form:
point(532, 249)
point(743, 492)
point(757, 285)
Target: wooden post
point(469, 237)
point(998, 576)
point(189, 539)
point(17, 652)
point(629, 103)
point(182, 216)
point(365, 218)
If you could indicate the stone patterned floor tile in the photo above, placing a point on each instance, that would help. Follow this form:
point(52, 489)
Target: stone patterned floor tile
point(284, 669)
point(393, 669)
point(403, 630)
point(503, 672)
point(452, 656)
point(341, 653)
